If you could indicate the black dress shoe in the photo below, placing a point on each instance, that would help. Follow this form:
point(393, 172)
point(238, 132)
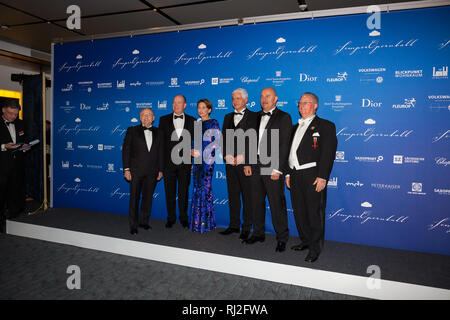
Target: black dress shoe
point(228, 231)
point(133, 231)
point(311, 257)
point(281, 246)
point(169, 224)
point(185, 224)
point(244, 235)
point(145, 226)
point(254, 239)
point(299, 247)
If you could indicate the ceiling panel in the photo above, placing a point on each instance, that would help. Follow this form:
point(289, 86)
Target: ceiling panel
point(56, 9)
point(37, 36)
point(231, 9)
point(122, 22)
point(10, 17)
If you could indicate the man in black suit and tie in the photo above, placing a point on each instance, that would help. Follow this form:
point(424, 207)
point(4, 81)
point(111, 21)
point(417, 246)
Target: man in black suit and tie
point(142, 162)
point(236, 155)
point(311, 157)
point(176, 127)
point(12, 179)
point(274, 130)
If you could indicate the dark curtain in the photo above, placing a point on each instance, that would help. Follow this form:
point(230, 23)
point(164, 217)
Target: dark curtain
point(32, 116)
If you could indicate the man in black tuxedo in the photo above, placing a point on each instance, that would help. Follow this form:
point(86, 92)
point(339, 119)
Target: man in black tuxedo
point(236, 155)
point(274, 130)
point(176, 127)
point(311, 157)
point(12, 178)
point(142, 162)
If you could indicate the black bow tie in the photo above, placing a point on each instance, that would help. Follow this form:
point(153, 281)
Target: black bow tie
point(7, 123)
point(239, 113)
point(267, 114)
point(148, 128)
point(177, 117)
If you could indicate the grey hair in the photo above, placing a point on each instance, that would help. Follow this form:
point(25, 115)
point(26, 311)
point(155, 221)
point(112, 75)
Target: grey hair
point(243, 92)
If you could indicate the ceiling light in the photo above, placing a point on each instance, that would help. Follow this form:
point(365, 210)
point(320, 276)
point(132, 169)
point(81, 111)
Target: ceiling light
point(302, 5)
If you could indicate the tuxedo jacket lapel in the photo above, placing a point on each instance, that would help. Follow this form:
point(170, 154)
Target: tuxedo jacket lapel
point(308, 132)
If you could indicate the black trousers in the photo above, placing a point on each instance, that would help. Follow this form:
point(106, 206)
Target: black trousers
point(262, 186)
point(141, 185)
point(177, 175)
point(239, 185)
point(12, 193)
point(309, 208)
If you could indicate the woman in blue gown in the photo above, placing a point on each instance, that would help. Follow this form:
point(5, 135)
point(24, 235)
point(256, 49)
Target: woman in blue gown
point(202, 208)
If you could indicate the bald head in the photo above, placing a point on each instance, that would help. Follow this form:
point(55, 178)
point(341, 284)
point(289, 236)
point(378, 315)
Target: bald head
point(147, 116)
point(268, 99)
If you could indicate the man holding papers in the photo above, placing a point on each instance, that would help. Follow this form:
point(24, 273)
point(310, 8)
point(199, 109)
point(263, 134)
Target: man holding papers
point(12, 179)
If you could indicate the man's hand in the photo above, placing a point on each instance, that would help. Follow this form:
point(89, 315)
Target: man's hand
point(239, 159)
point(160, 175)
point(320, 184)
point(195, 153)
point(229, 159)
point(26, 149)
point(11, 146)
point(288, 182)
point(275, 175)
point(127, 175)
point(248, 171)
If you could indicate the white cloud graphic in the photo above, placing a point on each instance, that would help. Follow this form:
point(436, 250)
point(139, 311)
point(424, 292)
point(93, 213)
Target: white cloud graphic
point(202, 46)
point(366, 205)
point(281, 40)
point(374, 33)
point(77, 180)
point(134, 120)
point(77, 120)
point(79, 57)
point(136, 51)
point(370, 121)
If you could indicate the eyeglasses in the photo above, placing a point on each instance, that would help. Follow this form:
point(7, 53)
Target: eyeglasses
point(305, 103)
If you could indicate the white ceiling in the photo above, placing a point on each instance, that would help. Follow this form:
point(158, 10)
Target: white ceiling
point(35, 23)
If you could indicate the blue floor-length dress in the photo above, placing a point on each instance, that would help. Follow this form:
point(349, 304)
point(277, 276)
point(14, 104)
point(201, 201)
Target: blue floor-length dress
point(202, 207)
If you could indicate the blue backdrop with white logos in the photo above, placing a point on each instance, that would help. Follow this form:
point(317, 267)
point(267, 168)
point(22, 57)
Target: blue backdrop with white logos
point(387, 92)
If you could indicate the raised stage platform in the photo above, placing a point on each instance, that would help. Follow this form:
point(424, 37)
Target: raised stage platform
point(342, 268)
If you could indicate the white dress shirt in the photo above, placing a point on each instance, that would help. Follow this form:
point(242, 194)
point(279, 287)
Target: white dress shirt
point(303, 125)
point(238, 117)
point(148, 138)
point(179, 124)
point(263, 124)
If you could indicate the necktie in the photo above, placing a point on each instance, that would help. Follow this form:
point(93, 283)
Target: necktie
point(267, 114)
point(7, 123)
point(238, 113)
point(147, 128)
point(178, 117)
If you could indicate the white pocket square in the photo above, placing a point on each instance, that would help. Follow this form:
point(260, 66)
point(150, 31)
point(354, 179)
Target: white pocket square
point(316, 134)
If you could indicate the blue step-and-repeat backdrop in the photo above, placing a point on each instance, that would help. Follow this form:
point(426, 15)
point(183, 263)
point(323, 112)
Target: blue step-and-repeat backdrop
point(388, 92)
